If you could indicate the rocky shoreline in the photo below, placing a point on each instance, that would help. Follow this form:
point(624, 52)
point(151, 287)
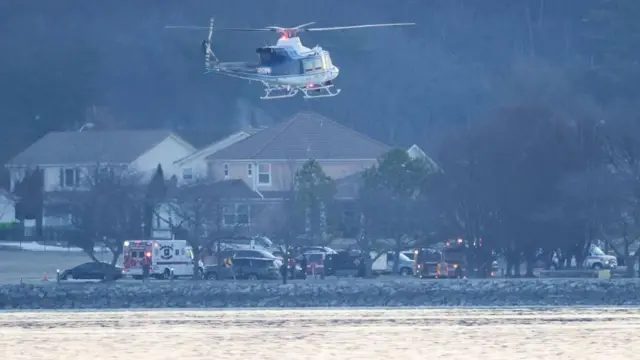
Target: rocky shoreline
point(327, 293)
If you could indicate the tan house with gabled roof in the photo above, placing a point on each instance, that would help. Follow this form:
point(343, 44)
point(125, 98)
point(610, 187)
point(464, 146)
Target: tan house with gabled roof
point(268, 160)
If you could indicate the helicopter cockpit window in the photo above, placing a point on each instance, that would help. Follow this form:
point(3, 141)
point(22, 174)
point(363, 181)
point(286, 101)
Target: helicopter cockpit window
point(271, 56)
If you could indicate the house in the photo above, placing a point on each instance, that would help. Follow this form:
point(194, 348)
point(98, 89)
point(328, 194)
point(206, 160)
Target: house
point(268, 160)
point(225, 205)
point(194, 166)
point(67, 157)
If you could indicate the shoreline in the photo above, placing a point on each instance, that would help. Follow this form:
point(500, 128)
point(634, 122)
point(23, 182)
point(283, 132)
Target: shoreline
point(346, 309)
point(327, 294)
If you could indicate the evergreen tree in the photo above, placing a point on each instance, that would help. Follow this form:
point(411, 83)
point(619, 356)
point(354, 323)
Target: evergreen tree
point(31, 198)
point(314, 190)
point(155, 193)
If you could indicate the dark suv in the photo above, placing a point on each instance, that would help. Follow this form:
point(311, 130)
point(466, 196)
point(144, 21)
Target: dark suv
point(245, 268)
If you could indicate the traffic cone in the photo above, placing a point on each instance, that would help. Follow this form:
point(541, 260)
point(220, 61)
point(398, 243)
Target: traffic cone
point(44, 276)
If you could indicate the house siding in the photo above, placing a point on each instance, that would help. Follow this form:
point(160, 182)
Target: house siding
point(165, 154)
point(283, 171)
point(198, 162)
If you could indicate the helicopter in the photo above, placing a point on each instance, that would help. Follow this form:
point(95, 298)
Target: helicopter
point(286, 68)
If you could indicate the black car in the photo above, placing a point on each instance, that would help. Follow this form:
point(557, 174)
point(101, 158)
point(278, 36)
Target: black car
point(92, 271)
point(245, 268)
point(345, 263)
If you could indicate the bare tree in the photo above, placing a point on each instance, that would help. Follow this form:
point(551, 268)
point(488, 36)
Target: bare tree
point(196, 212)
point(107, 210)
point(189, 208)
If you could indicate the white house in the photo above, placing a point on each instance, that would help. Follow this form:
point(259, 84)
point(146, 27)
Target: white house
point(7, 209)
point(67, 157)
point(194, 166)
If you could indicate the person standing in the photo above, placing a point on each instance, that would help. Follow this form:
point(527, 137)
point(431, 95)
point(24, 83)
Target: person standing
point(303, 266)
point(146, 265)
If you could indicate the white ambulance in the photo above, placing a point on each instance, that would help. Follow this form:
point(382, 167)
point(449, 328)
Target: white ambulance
point(164, 256)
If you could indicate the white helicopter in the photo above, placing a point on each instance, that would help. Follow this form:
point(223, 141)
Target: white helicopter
point(285, 68)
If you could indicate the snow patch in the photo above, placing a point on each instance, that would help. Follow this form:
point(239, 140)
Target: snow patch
point(34, 246)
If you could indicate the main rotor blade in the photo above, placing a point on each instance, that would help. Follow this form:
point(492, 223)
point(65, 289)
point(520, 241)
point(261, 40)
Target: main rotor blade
point(214, 28)
point(356, 27)
point(303, 25)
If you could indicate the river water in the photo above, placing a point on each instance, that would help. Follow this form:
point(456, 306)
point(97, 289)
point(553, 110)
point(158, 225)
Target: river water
point(407, 334)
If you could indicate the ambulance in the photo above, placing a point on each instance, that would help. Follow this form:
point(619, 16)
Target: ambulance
point(165, 257)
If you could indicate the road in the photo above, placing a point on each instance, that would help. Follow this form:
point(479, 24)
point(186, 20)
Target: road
point(30, 266)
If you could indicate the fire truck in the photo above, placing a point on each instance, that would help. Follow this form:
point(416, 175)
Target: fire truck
point(166, 258)
point(445, 261)
point(455, 259)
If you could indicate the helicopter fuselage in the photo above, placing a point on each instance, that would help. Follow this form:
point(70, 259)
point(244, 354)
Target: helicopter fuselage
point(288, 63)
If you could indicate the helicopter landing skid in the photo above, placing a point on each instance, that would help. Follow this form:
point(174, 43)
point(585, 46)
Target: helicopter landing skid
point(278, 92)
point(319, 91)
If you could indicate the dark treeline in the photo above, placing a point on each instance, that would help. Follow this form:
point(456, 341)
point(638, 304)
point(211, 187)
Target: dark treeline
point(463, 61)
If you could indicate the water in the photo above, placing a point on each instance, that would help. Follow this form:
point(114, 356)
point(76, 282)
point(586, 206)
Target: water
point(407, 334)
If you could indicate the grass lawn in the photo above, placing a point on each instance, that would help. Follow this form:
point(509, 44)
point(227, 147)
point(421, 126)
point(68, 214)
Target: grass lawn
point(30, 265)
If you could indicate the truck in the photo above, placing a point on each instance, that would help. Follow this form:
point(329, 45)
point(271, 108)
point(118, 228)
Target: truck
point(449, 262)
point(167, 258)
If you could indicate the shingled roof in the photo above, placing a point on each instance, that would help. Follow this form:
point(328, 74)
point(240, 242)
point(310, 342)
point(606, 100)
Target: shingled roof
point(120, 146)
point(306, 135)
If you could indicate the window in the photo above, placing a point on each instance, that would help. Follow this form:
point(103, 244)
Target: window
point(246, 253)
point(226, 170)
point(237, 214)
point(103, 171)
point(69, 177)
point(317, 63)
point(327, 60)
point(187, 174)
point(250, 170)
point(264, 174)
point(177, 252)
point(307, 65)
point(241, 262)
point(242, 214)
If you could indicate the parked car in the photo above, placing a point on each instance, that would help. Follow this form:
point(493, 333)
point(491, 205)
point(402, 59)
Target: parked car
point(315, 249)
point(344, 263)
point(92, 271)
point(250, 253)
point(245, 268)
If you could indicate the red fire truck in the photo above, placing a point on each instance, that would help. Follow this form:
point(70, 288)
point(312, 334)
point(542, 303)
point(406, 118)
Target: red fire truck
point(446, 261)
